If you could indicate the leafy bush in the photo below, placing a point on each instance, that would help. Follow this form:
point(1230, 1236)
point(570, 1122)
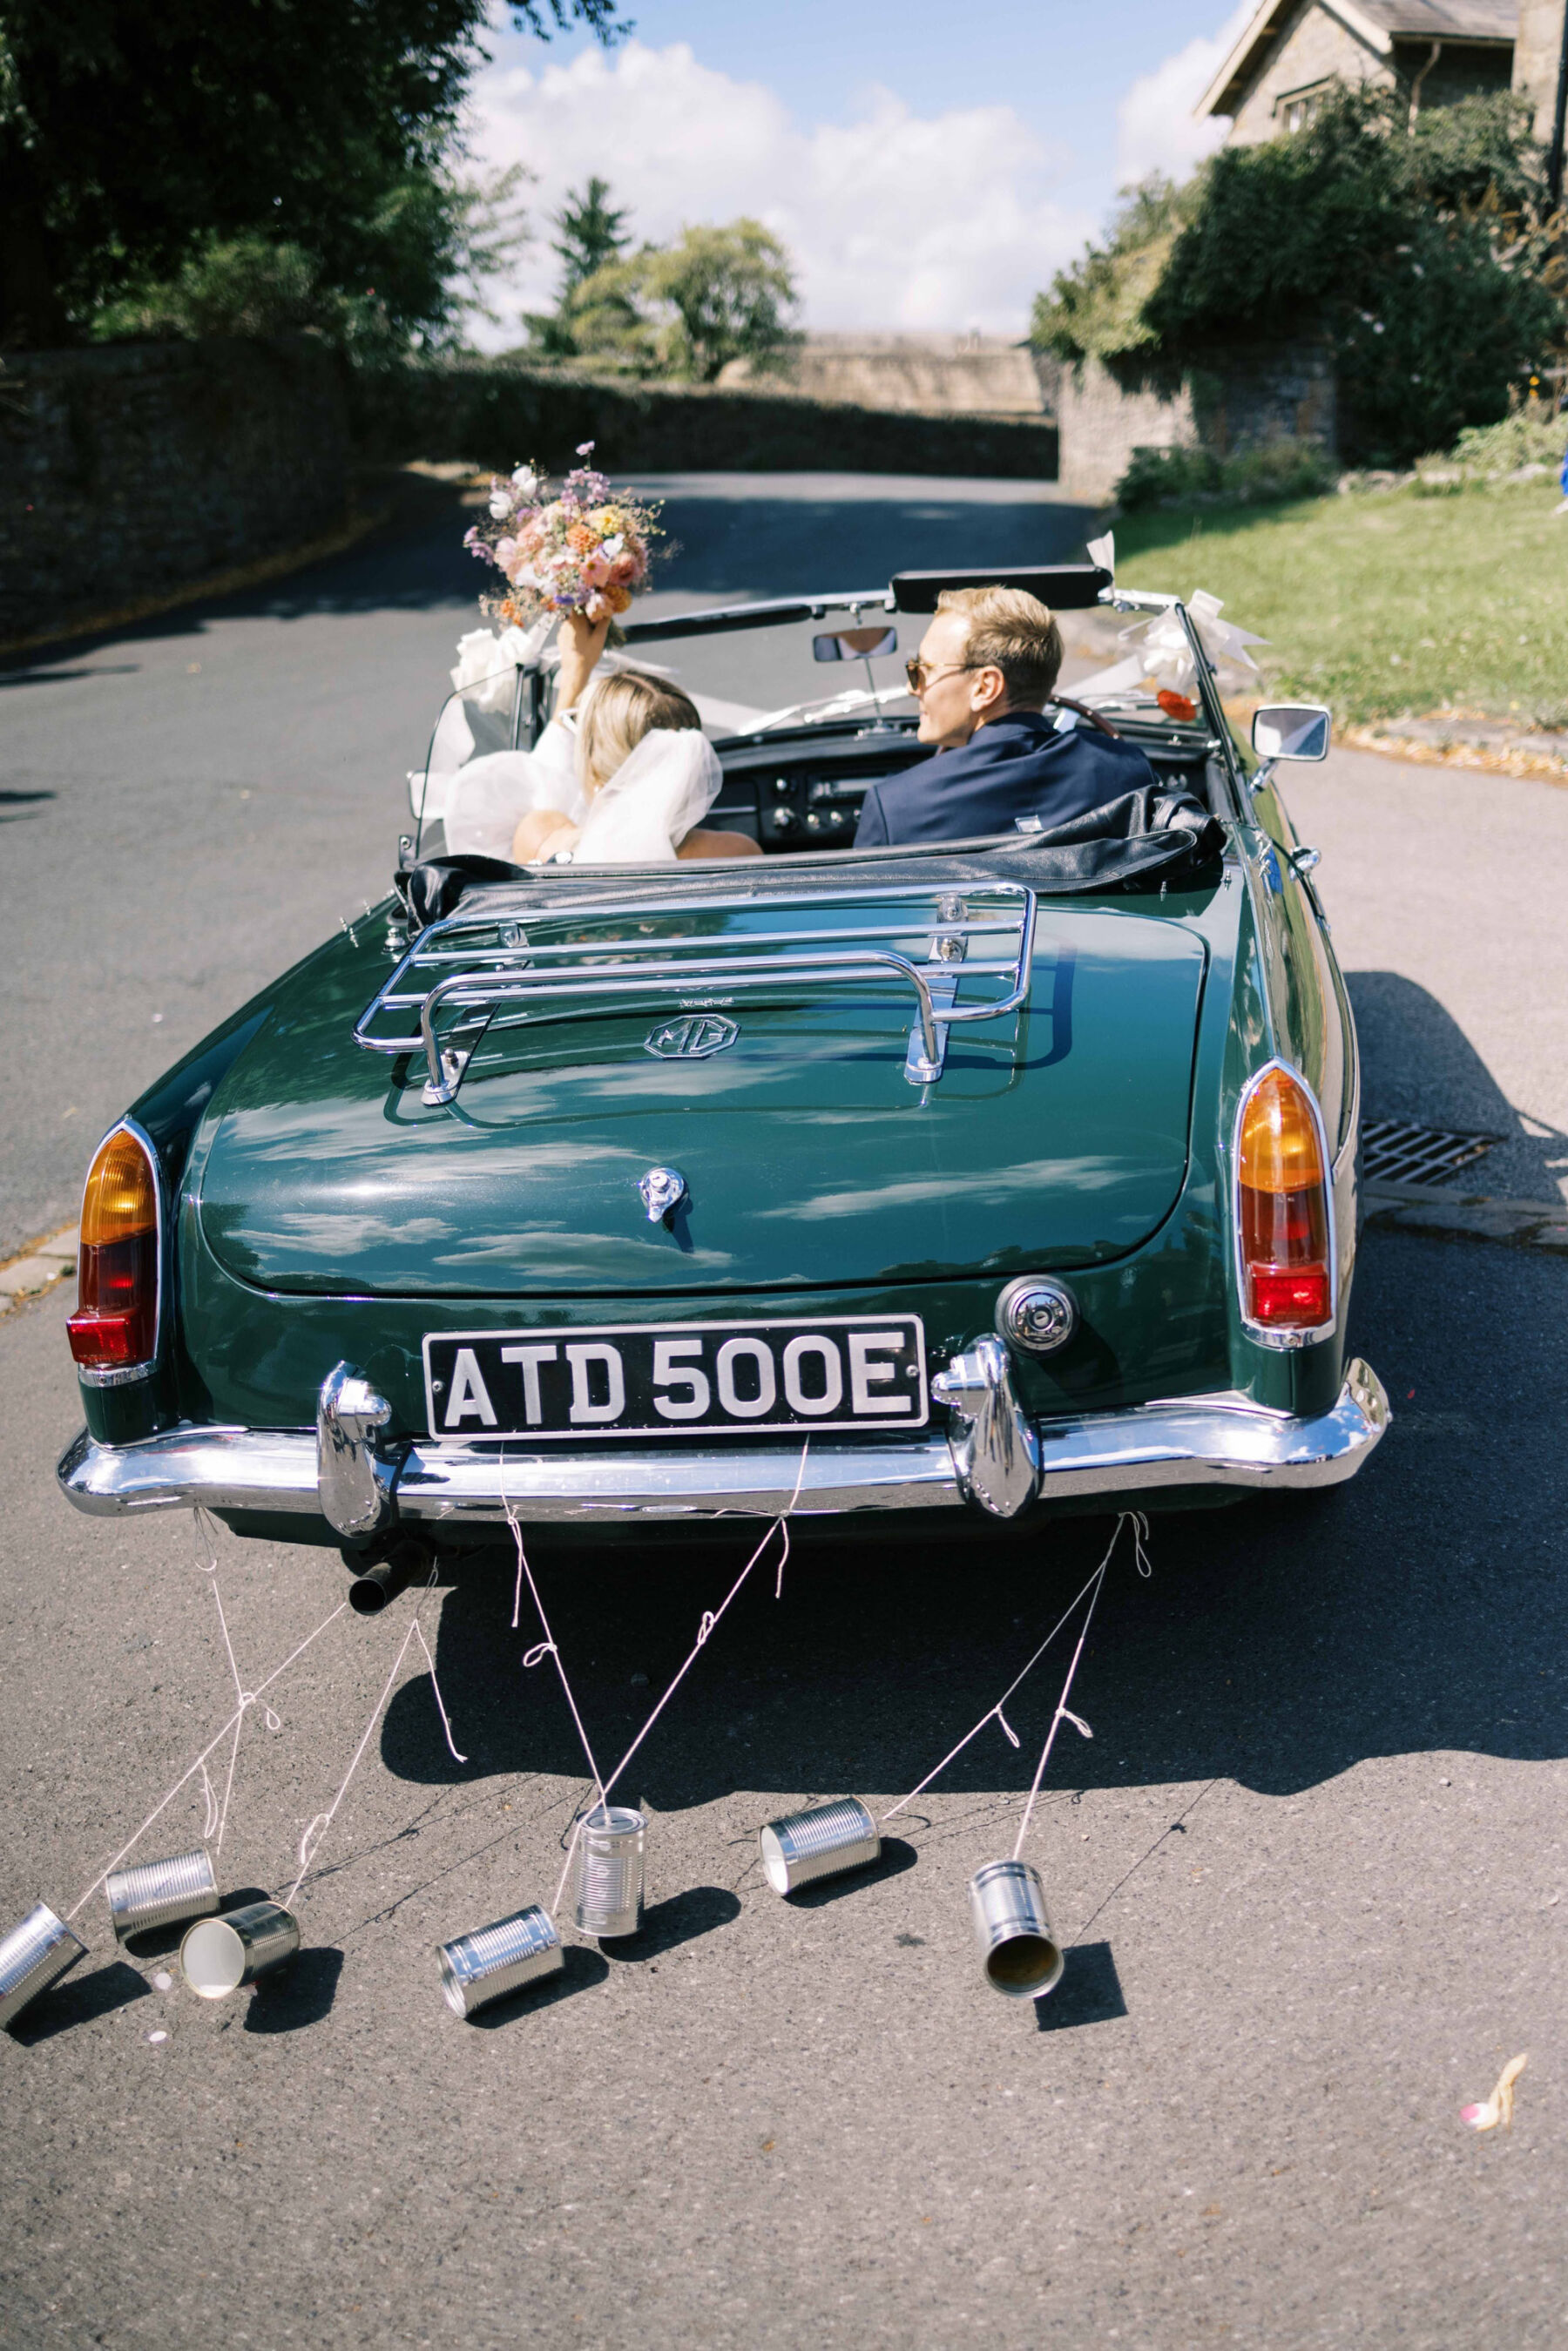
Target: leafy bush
point(1274, 471)
point(1422, 254)
point(1530, 437)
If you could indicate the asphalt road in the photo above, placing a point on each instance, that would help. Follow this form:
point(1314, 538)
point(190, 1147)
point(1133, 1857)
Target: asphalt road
point(1311, 1863)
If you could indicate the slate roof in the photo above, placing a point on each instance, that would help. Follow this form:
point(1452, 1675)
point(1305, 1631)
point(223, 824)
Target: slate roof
point(1381, 22)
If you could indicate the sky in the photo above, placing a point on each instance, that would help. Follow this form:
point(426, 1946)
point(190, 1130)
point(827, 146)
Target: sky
point(927, 168)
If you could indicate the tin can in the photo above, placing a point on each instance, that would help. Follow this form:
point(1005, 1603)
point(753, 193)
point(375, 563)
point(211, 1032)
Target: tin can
point(494, 1960)
point(1020, 1955)
point(610, 1871)
point(219, 1955)
point(32, 1956)
point(821, 1842)
point(162, 1893)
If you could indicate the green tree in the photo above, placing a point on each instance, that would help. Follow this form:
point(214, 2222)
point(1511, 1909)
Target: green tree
point(1424, 253)
point(136, 139)
point(687, 309)
point(591, 232)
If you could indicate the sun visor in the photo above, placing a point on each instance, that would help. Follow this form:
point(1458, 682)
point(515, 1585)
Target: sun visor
point(1065, 586)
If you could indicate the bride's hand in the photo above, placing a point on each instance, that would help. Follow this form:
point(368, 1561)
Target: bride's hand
point(581, 641)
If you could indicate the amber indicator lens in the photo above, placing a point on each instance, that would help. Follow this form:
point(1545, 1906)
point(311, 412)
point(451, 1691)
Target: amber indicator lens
point(1283, 1208)
point(116, 1321)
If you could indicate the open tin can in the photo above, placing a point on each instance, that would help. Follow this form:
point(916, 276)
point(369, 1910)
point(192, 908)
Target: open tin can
point(821, 1842)
point(32, 1956)
point(162, 1893)
point(219, 1955)
point(609, 1853)
point(494, 1960)
point(1018, 1952)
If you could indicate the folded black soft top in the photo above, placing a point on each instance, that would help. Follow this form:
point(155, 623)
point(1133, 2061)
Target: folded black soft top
point(1151, 835)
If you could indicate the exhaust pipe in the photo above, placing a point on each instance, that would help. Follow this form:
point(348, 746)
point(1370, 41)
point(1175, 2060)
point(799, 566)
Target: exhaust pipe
point(373, 1586)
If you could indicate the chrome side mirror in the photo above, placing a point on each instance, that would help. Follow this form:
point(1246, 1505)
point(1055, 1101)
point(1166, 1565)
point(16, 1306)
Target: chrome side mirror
point(1292, 730)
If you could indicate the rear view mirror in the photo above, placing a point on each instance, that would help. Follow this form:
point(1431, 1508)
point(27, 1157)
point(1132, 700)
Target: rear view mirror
point(854, 645)
point(1292, 730)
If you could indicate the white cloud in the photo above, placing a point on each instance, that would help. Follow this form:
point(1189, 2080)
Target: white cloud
point(1156, 129)
point(895, 220)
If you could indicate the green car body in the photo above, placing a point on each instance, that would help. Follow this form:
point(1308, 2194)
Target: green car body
point(324, 1215)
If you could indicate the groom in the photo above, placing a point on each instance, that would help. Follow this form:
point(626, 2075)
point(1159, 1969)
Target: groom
point(985, 669)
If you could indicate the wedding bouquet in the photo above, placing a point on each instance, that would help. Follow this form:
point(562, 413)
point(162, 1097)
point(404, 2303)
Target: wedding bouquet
point(585, 550)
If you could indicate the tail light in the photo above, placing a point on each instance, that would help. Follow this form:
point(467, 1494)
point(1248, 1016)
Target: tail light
point(114, 1331)
point(1282, 1207)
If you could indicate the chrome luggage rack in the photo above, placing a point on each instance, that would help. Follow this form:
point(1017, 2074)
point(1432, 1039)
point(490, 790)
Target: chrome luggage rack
point(469, 966)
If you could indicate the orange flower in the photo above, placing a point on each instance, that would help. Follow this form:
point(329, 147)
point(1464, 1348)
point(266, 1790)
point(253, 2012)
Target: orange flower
point(580, 539)
point(617, 598)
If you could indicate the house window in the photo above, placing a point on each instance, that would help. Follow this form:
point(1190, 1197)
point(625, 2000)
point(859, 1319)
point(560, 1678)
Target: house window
point(1294, 109)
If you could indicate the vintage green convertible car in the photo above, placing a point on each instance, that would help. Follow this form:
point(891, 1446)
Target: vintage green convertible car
point(995, 1178)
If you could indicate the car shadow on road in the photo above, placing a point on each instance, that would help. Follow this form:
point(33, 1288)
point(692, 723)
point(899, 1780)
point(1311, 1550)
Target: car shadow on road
point(1419, 1064)
point(1278, 1643)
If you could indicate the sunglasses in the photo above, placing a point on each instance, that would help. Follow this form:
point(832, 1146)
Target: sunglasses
point(920, 677)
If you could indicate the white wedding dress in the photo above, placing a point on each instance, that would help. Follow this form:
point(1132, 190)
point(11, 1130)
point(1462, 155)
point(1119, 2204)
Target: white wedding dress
point(640, 817)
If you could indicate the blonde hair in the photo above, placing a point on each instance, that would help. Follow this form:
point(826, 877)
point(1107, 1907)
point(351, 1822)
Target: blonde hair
point(625, 705)
point(1011, 631)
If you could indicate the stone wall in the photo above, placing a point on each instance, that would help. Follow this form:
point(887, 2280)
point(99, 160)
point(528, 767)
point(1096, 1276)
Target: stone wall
point(1101, 425)
point(1248, 396)
point(494, 413)
point(133, 468)
point(928, 375)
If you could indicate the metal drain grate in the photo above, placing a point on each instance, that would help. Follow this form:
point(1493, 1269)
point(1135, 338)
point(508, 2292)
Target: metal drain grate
point(1394, 1151)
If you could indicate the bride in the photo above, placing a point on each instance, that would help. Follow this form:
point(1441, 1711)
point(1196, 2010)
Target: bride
point(620, 777)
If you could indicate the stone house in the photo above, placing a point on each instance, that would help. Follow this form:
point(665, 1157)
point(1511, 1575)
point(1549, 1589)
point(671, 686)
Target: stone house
point(1433, 51)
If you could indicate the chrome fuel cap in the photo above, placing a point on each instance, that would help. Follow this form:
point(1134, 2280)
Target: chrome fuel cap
point(1037, 1315)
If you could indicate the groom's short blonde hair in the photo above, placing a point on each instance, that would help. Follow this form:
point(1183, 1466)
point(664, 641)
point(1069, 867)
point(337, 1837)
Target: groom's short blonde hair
point(1009, 630)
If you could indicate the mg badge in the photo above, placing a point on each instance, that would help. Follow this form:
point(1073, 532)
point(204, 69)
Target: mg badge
point(693, 1038)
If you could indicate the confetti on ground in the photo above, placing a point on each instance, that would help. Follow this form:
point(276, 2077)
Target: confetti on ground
point(163, 1982)
point(1499, 2107)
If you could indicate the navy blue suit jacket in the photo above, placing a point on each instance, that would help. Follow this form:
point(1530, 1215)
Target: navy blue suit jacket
point(1017, 765)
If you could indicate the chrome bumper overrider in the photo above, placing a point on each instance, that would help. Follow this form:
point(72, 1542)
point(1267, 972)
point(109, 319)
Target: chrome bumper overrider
point(994, 1458)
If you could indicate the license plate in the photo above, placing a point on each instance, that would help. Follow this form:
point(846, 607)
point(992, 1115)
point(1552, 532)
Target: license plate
point(673, 1379)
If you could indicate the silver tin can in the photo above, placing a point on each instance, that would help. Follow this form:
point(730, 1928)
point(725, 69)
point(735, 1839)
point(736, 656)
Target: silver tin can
point(219, 1955)
point(162, 1893)
point(32, 1956)
point(1020, 1955)
point(823, 1842)
point(494, 1960)
point(610, 1871)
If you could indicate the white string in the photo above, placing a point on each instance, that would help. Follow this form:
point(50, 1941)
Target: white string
point(784, 1521)
point(1062, 1714)
point(200, 1763)
point(317, 1829)
point(209, 1825)
point(440, 1701)
point(705, 1628)
point(994, 1713)
point(547, 1648)
point(246, 1699)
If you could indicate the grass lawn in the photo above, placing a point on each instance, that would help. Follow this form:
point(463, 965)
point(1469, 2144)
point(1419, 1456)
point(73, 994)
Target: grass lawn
point(1385, 604)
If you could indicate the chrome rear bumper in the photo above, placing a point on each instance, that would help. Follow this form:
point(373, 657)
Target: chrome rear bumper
point(1193, 1441)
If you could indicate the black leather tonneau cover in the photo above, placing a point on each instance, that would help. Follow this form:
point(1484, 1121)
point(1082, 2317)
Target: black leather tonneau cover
point(1151, 835)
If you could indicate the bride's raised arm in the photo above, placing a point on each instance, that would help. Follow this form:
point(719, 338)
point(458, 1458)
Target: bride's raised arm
point(580, 643)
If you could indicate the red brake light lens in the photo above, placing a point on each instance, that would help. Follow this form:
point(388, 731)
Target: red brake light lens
point(1282, 1207)
point(115, 1326)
